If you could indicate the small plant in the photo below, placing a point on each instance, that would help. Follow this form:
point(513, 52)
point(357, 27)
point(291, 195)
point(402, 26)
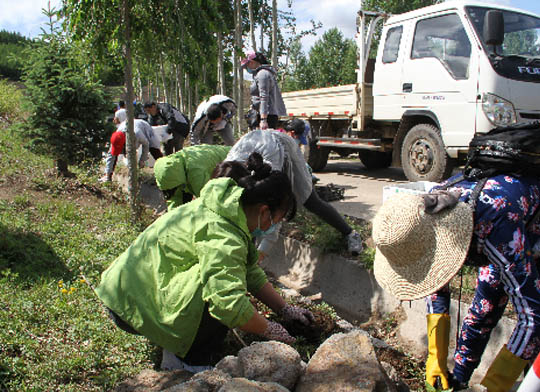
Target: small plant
point(11, 100)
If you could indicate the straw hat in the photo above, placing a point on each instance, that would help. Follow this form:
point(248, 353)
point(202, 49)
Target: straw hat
point(418, 253)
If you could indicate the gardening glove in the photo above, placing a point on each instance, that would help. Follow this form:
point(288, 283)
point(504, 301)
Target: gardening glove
point(504, 371)
point(275, 331)
point(438, 331)
point(439, 200)
point(294, 313)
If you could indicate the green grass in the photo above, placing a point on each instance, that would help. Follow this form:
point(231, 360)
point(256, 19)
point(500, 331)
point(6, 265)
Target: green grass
point(54, 334)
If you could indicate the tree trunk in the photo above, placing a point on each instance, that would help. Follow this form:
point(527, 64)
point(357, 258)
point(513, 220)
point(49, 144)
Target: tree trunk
point(274, 34)
point(133, 180)
point(62, 169)
point(263, 10)
point(181, 90)
point(163, 78)
point(220, 69)
point(239, 46)
point(252, 25)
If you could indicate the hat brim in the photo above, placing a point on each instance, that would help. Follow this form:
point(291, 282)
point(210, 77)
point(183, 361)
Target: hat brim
point(420, 278)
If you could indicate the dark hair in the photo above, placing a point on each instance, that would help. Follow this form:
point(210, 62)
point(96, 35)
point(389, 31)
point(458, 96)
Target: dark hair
point(121, 104)
point(261, 58)
point(262, 184)
point(214, 111)
point(295, 125)
point(148, 104)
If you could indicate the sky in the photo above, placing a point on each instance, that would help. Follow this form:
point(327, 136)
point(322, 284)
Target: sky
point(25, 16)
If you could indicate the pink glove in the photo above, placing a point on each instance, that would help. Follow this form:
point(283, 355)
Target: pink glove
point(295, 313)
point(275, 331)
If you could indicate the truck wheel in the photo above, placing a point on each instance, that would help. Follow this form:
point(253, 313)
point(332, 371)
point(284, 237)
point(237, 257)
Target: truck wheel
point(423, 156)
point(375, 159)
point(318, 156)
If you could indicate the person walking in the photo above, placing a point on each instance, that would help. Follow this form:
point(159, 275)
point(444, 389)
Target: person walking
point(183, 282)
point(266, 100)
point(177, 123)
point(214, 116)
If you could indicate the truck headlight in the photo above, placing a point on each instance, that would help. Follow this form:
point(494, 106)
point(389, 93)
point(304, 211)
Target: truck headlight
point(499, 111)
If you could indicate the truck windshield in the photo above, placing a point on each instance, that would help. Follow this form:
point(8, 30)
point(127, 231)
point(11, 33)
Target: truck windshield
point(519, 56)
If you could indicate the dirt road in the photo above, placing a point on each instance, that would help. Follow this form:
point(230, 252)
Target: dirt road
point(363, 188)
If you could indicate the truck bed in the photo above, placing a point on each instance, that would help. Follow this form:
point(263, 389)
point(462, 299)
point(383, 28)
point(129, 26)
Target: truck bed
point(339, 102)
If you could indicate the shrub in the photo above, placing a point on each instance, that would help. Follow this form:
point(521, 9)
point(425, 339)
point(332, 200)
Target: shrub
point(68, 109)
point(10, 102)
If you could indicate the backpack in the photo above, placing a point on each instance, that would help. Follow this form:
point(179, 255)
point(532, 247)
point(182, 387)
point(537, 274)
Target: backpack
point(513, 149)
point(509, 149)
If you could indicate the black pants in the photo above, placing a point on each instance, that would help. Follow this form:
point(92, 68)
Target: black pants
point(327, 213)
point(209, 338)
point(155, 152)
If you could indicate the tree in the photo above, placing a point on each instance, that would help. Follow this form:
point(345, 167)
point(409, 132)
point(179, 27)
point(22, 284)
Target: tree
point(397, 6)
point(332, 60)
point(67, 108)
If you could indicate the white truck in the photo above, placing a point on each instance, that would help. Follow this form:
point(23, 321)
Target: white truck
point(442, 73)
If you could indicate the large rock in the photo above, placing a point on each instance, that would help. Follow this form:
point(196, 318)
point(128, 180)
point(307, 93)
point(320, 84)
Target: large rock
point(207, 381)
point(345, 363)
point(267, 362)
point(244, 385)
point(150, 380)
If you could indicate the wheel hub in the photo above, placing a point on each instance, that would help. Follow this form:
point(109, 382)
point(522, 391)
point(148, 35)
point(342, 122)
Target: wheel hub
point(421, 156)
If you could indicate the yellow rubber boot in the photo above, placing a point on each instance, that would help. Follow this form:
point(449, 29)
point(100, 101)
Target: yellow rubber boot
point(438, 331)
point(504, 371)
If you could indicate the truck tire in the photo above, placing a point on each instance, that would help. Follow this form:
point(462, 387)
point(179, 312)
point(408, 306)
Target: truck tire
point(423, 156)
point(318, 156)
point(375, 159)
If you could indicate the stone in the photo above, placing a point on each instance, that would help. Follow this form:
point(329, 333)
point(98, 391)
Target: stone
point(270, 362)
point(345, 363)
point(244, 385)
point(207, 381)
point(150, 380)
point(230, 365)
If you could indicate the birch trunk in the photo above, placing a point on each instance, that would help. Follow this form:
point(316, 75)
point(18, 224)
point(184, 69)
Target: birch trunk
point(163, 78)
point(240, 102)
point(133, 179)
point(274, 34)
point(220, 69)
point(252, 25)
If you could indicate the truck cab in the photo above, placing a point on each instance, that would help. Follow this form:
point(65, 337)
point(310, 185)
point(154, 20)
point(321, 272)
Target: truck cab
point(439, 77)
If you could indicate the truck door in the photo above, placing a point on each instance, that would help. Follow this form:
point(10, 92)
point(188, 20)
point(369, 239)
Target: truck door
point(387, 77)
point(440, 76)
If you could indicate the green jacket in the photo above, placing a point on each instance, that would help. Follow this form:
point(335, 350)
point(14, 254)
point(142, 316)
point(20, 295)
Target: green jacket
point(201, 252)
point(188, 170)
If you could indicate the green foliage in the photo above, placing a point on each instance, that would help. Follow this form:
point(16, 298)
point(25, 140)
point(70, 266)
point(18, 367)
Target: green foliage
point(11, 101)
point(54, 334)
point(68, 110)
point(12, 46)
point(332, 61)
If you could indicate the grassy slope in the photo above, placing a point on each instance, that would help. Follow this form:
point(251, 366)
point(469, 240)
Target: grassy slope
point(54, 334)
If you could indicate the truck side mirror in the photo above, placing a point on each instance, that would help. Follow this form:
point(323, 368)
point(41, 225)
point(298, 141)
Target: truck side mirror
point(494, 28)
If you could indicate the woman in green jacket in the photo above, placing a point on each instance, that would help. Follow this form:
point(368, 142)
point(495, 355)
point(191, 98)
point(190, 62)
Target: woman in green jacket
point(182, 175)
point(183, 281)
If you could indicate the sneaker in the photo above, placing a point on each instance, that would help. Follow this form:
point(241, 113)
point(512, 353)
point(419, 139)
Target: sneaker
point(354, 243)
point(169, 361)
